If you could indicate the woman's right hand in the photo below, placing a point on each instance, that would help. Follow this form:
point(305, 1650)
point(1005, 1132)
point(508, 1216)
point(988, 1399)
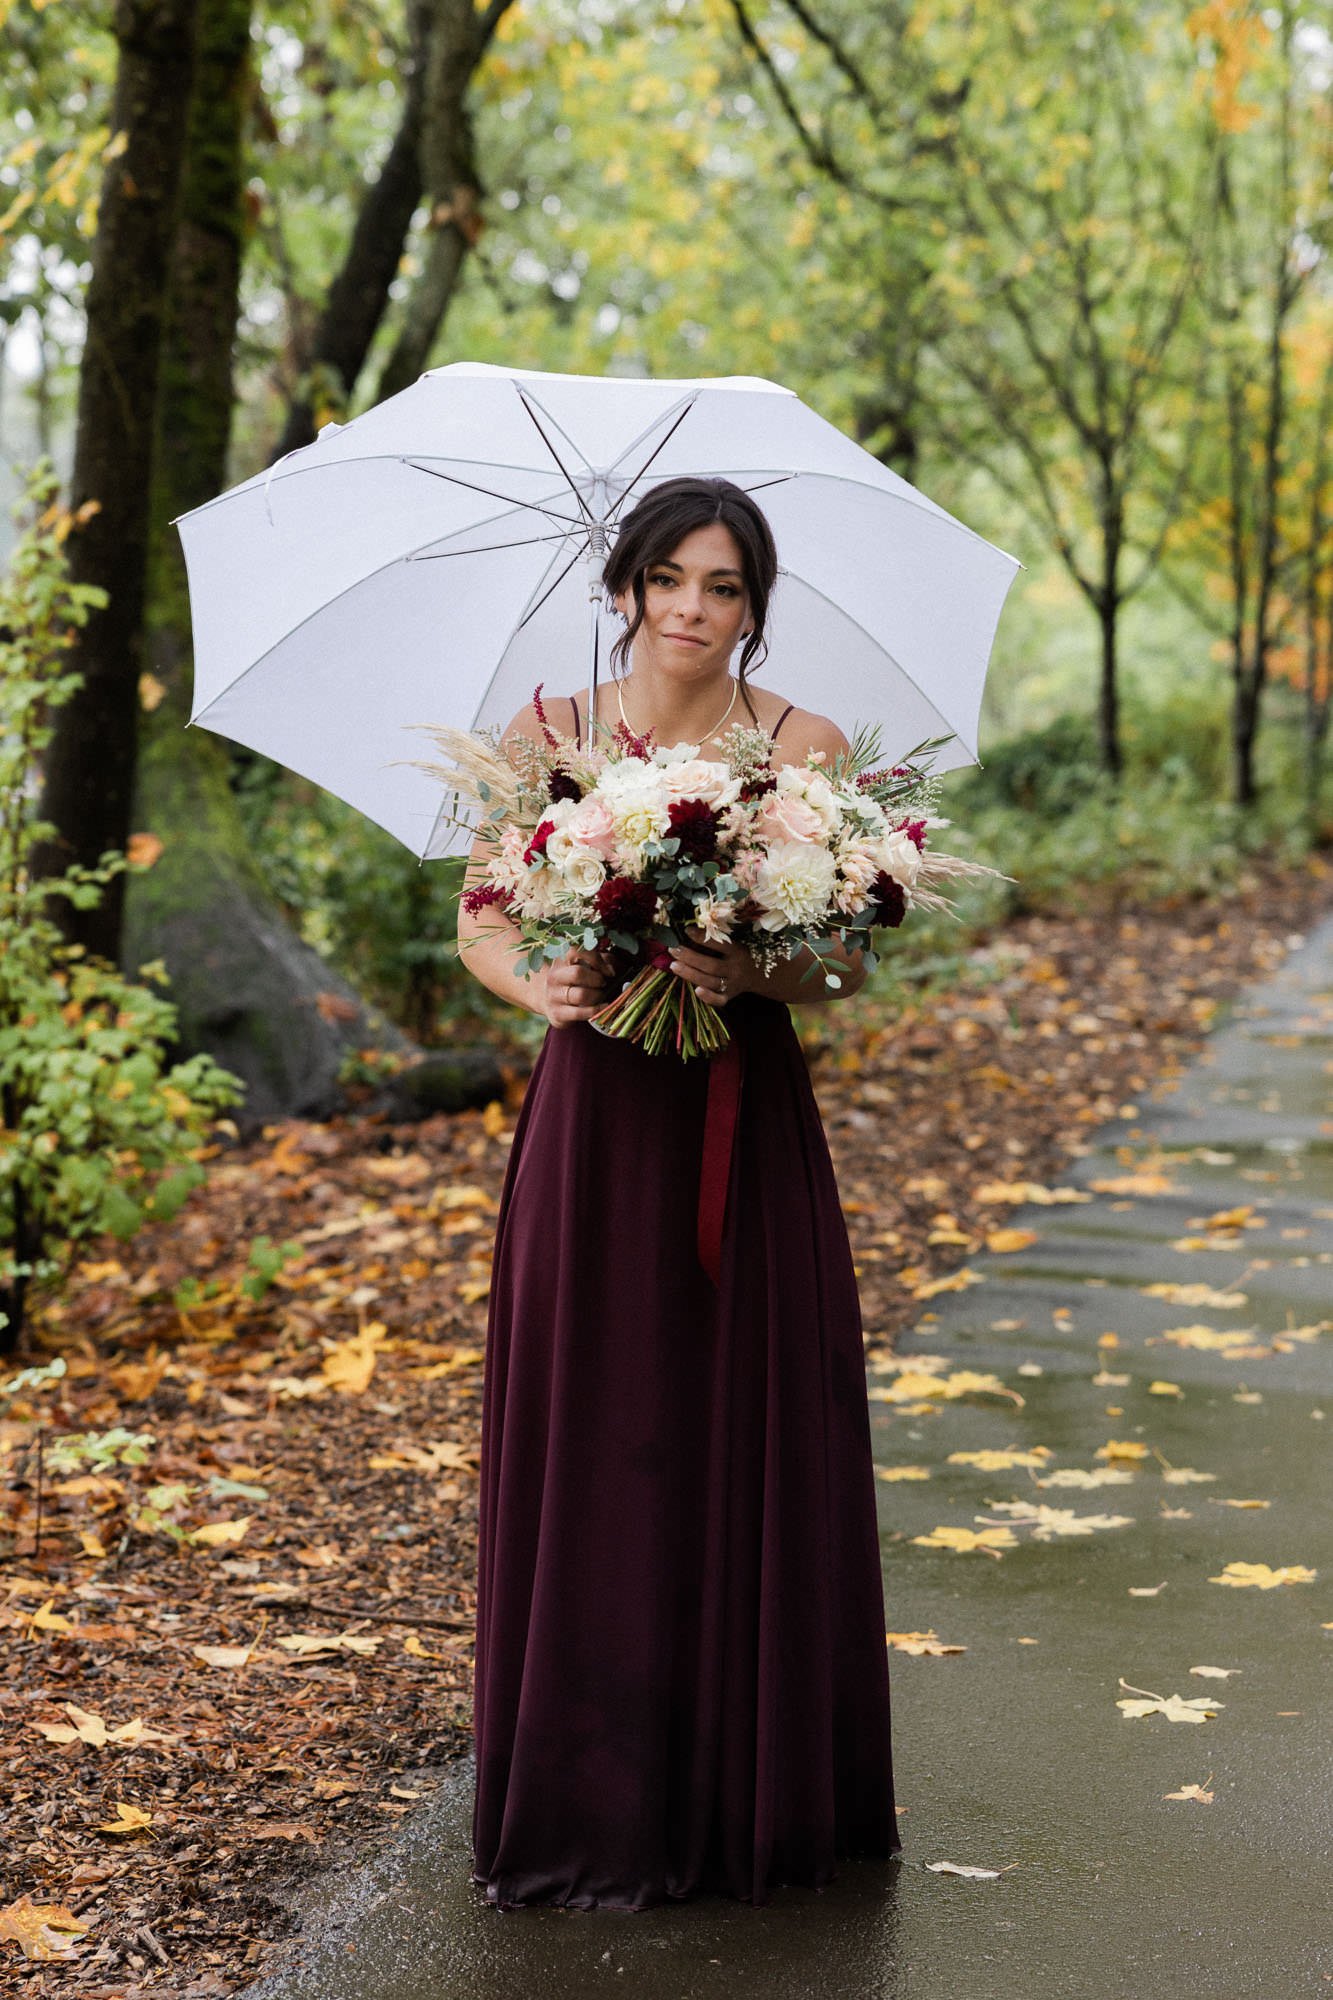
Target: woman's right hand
point(576, 986)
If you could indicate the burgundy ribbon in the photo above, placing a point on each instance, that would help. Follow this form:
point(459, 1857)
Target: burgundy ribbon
point(725, 1072)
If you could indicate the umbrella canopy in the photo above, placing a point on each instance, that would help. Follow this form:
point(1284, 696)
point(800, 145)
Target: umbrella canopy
point(433, 560)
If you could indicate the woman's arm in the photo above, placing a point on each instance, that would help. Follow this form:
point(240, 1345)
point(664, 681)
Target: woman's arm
point(791, 980)
point(490, 943)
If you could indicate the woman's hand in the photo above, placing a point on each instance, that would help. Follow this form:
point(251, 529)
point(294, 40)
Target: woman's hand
point(576, 986)
point(718, 972)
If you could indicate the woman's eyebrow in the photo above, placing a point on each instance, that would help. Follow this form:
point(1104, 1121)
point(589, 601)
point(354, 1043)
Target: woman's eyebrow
point(667, 564)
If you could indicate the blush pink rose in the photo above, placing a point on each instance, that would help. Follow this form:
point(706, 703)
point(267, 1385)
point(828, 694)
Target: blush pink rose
point(783, 816)
point(591, 825)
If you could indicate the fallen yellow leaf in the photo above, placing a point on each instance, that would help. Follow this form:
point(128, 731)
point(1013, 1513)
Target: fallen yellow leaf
point(48, 1619)
point(1175, 1707)
point(223, 1656)
point(129, 1819)
point(1145, 1182)
point(921, 1642)
point(413, 1645)
point(1000, 1241)
point(1208, 1339)
point(217, 1533)
point(966, 1541)
point(1048, 1522)
point(1103, 1475)
point(307, 1644)
point(1027, 1191)
point(1193, 1295)
point(43, 1931)
point(1258, 1576)
point(956, 1281)
point(1000, 1461)
point(1121, 1448)
point(349, 1366)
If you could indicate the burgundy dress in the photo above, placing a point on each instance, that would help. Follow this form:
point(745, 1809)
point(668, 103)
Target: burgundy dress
point(681, 1674)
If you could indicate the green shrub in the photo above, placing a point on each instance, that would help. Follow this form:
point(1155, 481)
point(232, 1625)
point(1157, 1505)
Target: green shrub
point(95, 1133)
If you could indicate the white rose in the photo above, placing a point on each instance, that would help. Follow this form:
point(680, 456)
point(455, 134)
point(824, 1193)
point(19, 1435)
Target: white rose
point(583, 871)
point(699, 778)
point(899, 857)
point(794, 885)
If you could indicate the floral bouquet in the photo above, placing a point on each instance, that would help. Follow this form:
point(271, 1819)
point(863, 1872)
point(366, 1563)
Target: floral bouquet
point(627, 845)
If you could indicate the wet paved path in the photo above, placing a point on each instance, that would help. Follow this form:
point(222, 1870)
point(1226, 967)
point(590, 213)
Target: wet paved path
point(1012, 1754)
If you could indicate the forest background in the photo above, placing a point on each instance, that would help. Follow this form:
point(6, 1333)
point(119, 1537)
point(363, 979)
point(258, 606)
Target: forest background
point(1063, 265)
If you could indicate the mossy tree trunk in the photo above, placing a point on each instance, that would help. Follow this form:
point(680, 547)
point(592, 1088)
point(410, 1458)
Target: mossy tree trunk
point(459, 36)
point(248, 990)
point(359, 293)
point(89, 773)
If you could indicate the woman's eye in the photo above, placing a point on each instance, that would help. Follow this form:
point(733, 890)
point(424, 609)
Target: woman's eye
point(726, 589)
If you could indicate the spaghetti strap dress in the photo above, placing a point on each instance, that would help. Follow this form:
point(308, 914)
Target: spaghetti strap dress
point(681, 1681)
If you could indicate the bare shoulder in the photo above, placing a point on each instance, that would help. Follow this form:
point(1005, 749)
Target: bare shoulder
point(803, 731)
point(527, 723)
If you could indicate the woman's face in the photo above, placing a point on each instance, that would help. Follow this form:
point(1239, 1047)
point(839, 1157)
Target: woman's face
point(696, 607)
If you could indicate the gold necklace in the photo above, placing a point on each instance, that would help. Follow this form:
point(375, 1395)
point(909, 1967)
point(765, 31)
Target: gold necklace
point(735, 690)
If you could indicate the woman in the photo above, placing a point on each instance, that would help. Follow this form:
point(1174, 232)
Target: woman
point(681, 1677)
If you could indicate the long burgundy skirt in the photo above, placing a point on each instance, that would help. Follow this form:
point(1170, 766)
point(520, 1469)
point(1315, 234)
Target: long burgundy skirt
point(681, 1675)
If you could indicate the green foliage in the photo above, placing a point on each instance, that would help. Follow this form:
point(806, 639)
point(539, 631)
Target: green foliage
point(265, 1263)
point(97, 1451)
point(1041, 810)
point(96, 1132)
point(32, 1378)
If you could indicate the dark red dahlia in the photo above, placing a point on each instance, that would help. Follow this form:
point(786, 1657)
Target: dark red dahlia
point(890, 904)
point(755, 788)
point(625, 906)
point(561, 785)
point(537, 845)
point(694, 824)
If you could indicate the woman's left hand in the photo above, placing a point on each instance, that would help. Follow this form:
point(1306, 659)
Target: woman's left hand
point(718, 972)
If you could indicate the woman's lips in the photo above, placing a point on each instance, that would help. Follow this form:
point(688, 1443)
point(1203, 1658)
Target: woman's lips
point(684, 639)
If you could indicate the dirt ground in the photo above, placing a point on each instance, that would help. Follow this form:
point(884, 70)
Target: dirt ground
point(247, 1655)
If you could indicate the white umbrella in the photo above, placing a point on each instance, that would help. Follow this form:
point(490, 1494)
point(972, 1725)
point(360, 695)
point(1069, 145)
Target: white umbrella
point(434, 559)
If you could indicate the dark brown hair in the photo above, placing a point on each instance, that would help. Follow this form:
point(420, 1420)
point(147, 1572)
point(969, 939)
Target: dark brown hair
point(656, 525)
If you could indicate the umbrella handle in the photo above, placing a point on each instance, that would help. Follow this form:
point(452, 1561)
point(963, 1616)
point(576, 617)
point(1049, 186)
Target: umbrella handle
point(595, 588)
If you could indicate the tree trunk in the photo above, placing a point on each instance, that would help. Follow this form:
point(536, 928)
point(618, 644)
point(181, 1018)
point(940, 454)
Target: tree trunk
point(89, 774)
point(1246, 683)
point(449, 175)
point(360, 292)
point(247, 989)
point(1108, 698)
point(1108, 600)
